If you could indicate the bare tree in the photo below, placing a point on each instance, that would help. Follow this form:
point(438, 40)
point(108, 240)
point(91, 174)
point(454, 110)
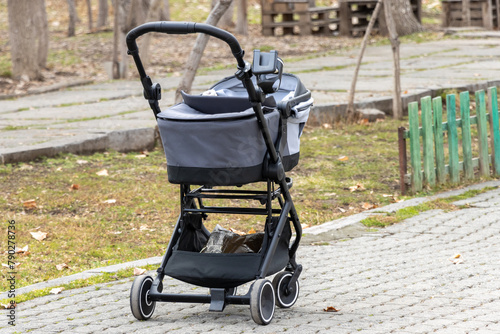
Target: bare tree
point(28, 35)
point(397, 109)
point(154, 14)
point(242, 18)
point(388, 17)
point(102, 17)
point(165, 11)
point(201, 42)
point(72, 17)
point(351, 113)
point(404, 20)
point(89, 14)
point(226, 21)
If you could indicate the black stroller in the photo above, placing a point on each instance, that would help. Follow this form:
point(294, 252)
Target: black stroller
point(246, 130)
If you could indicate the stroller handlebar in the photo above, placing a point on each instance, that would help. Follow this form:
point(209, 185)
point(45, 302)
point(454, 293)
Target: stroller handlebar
point(176, 28)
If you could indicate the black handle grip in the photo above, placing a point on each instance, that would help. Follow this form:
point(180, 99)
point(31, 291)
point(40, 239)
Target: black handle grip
point(168, 27)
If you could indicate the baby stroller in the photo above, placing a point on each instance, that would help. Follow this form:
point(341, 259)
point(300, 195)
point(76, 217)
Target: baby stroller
point(246, 131)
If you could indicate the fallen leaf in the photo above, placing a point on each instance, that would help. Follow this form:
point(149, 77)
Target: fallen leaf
point(140, 156)
point(343, 158)
point(116, 232)
point(364, 121)
point(62, 266)
point(146, 228)
point(341, 210)
point(357, 187)
point(29, 204)
point(82, 162)
point(139, 271)
point(23, 250)
point(456, 259)
point(252, 231)
point(39, 235)
point(304, 226)
point(330, 309)
point(57, 291)
point(59, 169)
point(74, 187)
point(367, 206)
point(326, 126)
point(110, 201)
point(9, 305)
point(103, 172)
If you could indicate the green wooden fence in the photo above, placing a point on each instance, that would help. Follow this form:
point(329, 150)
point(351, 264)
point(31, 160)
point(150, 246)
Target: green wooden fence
point(428, 165)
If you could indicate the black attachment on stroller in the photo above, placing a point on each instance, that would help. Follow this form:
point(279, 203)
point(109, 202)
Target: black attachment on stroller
point(248, 133)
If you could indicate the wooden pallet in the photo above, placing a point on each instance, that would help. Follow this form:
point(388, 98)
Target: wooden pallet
point(483, 13)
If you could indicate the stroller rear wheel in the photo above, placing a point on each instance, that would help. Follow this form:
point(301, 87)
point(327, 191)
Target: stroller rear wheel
point(262, 301)
point(141, 305)
point(285, 298)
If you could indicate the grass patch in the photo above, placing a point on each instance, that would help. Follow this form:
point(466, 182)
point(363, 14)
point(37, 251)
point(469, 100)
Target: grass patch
point(445, 204)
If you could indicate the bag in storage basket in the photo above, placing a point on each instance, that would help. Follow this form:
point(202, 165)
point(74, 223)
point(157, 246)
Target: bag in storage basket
point(214, 149)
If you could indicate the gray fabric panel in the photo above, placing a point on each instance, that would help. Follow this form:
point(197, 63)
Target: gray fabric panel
point(217, 144)
point(182, 111)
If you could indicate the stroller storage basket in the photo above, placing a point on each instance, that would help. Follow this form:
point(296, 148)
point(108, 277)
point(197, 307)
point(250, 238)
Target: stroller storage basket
point(217, 270)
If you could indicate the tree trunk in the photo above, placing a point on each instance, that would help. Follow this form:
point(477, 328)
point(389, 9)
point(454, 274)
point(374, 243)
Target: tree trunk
point(165, 11)
point(28, 38)
point(242, 18)
point(120, 58)
point(137, 13)
point(397, 110)
point(102, 18)
point(351, 111)
point(405, 22)
point(72, 17)
point(466, 13)
point(154, 14)
point(89, 14)
point(226, 21)
point(42, 27)
point(201, 42)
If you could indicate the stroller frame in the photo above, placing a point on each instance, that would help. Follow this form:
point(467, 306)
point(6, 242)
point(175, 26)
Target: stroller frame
point(262, 295)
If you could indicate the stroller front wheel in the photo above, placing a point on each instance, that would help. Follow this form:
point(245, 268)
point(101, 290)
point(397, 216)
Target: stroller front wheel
point(262, 301)
point(141, 305)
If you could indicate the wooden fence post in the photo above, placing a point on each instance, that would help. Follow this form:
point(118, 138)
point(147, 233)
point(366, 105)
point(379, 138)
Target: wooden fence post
point(466, 136)
point(452, 137)
point(428, 141)
point(438, 139)
point(495, 132)
point(482, 126)
point(416, 174)
point(403, 160)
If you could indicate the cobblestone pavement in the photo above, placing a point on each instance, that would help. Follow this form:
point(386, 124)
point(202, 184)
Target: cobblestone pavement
point(396, 280)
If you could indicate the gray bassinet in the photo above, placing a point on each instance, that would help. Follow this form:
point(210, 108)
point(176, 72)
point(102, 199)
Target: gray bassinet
point(216, 140)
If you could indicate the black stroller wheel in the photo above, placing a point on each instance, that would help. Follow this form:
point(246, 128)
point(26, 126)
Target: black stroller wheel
point(262, 301)
point(284, 297)
point(141, 305)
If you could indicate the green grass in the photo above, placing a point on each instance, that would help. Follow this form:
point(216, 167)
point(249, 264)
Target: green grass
point(383, 220)
point(5, 66)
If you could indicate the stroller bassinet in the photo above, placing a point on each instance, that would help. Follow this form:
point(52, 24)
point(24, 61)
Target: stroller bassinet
point(246, 130)
point(217, 140)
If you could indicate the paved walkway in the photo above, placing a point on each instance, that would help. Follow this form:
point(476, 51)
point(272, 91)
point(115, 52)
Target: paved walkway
point(114, 115)
point(397, 280)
